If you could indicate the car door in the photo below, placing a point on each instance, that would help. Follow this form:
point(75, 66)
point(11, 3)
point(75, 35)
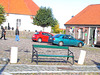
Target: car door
point(72, 40)
point(45, 37)
point(66, 40)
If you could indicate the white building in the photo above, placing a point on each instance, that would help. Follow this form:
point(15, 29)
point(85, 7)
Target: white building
point(21, 13)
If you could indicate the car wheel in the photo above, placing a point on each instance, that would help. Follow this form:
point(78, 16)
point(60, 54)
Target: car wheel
point(60, 44)
point(39, 40)
point(80, 45)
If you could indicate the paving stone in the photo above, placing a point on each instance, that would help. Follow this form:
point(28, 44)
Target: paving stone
point(24, 65)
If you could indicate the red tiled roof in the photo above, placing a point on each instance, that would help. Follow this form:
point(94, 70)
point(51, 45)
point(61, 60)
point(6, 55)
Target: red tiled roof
point(25, 7)
point(88, 16)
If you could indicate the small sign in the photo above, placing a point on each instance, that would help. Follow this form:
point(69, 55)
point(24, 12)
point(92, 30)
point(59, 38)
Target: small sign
point(85, 34)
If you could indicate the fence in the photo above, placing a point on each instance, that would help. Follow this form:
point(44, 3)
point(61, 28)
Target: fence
point(22, 34)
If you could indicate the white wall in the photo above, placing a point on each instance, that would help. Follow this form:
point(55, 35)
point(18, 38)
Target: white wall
point(26, 23)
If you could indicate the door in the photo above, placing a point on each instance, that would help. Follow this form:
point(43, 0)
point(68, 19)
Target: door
point(92, 36)
point(69, 40)
point(72, 40)
point(45, 37)
point(66, 40)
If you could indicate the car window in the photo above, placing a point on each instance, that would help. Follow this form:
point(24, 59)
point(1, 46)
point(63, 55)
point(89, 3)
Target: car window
point(43, 33)
point(49, 34)
point(57, 36)
point(46, 34)
point(66, 37)
point(71, 37)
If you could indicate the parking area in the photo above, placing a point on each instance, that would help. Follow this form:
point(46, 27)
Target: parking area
point(25, 53)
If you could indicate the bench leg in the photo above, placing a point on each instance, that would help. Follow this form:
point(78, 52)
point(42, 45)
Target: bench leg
point(37, 60)
point(32, 58)
point(73, 60)
point(67, 58)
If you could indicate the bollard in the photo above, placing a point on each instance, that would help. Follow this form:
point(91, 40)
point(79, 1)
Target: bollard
point(14, 53)
point(82, 57)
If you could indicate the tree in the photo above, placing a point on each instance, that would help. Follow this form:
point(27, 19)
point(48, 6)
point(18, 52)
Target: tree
point(44, 18)
point(63, 31)
point(2, 13)
point(56, 29)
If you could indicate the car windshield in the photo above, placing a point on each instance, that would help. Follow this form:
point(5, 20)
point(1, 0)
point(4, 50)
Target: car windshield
point(37, 33)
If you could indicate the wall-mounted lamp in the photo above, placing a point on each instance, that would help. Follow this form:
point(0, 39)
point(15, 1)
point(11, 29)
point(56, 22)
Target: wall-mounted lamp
point(85, 31)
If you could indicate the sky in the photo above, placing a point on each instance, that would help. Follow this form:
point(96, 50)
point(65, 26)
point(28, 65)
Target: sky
point(63, 10)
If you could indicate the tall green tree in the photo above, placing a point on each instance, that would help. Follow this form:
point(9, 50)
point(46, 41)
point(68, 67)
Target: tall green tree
point(44, 18)
point(2, 13)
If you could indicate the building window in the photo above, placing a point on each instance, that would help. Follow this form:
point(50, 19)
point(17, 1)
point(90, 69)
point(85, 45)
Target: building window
point(18, 22)
point(80, 33)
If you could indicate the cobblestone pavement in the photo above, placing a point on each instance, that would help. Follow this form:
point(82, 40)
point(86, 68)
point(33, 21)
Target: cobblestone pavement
point(92, 60)
point(22, 68)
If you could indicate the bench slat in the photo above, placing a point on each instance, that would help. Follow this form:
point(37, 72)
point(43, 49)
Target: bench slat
point(48, 46)
point(54, 55)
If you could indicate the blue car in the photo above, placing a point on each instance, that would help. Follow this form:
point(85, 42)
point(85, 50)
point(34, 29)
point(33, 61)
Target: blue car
point(63, 39)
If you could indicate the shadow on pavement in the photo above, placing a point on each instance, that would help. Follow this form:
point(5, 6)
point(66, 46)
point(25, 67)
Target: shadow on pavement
point(57, 60)
point(7, 50)
point(97, 64)
point(2, 69)
point(6, 60)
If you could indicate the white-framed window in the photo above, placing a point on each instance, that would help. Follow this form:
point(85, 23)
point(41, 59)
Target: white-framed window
point(80, 33)
point(18, 22)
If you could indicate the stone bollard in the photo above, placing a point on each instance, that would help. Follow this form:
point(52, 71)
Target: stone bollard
point(82, 57)
point(14, 54)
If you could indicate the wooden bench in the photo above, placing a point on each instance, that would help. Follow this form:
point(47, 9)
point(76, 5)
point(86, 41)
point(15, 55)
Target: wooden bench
point(35, 52)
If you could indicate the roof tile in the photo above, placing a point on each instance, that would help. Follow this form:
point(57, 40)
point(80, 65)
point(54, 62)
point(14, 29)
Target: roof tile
point(26, 7)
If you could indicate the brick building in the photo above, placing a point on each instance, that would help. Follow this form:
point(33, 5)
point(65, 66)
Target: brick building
point(85, 25)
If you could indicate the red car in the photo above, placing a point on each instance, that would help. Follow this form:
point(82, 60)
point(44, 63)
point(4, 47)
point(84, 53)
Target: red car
point(41, 36)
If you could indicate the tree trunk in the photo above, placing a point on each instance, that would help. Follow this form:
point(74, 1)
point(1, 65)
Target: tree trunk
point(43, 28)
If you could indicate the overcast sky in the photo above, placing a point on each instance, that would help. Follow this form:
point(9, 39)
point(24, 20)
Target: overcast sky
point(63, 10)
